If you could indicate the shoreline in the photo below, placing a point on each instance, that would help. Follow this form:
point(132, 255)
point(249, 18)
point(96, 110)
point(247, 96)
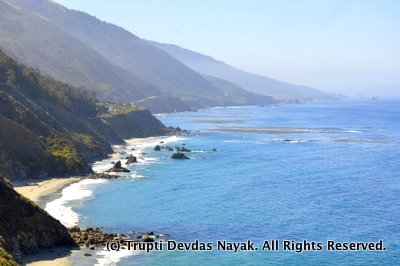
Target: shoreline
point(44, 188)
point(44, 191)
point(41, 193)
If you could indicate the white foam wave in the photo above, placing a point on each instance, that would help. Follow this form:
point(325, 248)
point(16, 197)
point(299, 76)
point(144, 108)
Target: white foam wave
point(111, 258)
point(62, 208)
point(135, 147)
point(233, 141)
point(136, 175)
point(294, 140)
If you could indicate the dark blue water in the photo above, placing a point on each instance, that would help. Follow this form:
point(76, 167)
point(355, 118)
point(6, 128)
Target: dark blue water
point(317, 172)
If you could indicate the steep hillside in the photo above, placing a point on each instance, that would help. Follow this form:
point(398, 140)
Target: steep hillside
point(131, 53)
point(36, 42)
point(248, 81)
point(51, 128)
point(25, 228)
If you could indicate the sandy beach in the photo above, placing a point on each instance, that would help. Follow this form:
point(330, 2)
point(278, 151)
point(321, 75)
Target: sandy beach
point(43, 191)
point(43, 188)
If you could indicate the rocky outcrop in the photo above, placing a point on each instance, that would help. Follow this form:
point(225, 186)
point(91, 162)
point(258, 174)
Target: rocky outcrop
point(179, 156)
point(94, 238)
point(131, 159)
point(117, 168)
point(157, 148)
point(91, 238)
point(183, 149)
point(25, 227)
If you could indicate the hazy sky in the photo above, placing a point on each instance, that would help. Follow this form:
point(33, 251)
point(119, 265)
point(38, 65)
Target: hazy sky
point(348, 46)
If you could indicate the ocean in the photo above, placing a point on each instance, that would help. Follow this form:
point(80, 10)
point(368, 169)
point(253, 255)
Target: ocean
point(304, 172)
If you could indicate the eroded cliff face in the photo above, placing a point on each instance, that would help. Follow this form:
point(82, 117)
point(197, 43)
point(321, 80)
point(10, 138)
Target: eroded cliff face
point(24, 227)
point(137, 124)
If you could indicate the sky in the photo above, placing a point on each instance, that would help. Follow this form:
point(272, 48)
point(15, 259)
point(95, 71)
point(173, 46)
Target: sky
point(340, 46)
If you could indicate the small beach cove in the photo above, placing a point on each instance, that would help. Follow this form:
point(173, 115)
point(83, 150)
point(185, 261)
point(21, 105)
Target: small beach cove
point(59, 196)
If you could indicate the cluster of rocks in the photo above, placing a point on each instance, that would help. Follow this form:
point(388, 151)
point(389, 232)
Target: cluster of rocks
point(117, 168)
point(179, 151)
point(92, 238)
point(160, 147)
point(183, 149)
point(101, 176)
point(178, 131)
point(179, 154)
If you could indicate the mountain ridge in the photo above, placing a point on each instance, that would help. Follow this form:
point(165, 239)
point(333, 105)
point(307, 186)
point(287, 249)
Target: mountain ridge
point(255, 83)
point(125, 50)
point(36, 42)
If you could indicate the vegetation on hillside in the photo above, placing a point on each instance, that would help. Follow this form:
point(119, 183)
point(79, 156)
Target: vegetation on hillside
point(49, 127)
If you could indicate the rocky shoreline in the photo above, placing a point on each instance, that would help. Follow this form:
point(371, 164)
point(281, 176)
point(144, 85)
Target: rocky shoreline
point(95, 238)
point(91, 241)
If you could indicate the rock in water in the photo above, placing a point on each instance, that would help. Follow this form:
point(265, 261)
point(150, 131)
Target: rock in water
point(147, 238)
point(179, 155)
point(118, 168)
point(183, 149)
point(157, 148)
point(117, 165)
point(131, 159)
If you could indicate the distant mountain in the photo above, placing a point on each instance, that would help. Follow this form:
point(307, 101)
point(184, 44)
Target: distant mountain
point(33, 40)
point(248, 81)
point(122, 49)
point(50, 128)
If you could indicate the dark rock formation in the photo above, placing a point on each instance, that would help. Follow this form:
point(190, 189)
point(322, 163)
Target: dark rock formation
point(92, 238)
point(26, 228)
point(147, 238)
point(183, 149)
point(118, 168)
point(157, 148)
point(131, 159)
point(179, 155)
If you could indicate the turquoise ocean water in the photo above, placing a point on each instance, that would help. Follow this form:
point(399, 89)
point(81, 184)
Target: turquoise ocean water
point(316, 172)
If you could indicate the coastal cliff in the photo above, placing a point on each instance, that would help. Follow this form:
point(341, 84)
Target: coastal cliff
point(50, 128)
point(140, 123)
point(25, 228)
